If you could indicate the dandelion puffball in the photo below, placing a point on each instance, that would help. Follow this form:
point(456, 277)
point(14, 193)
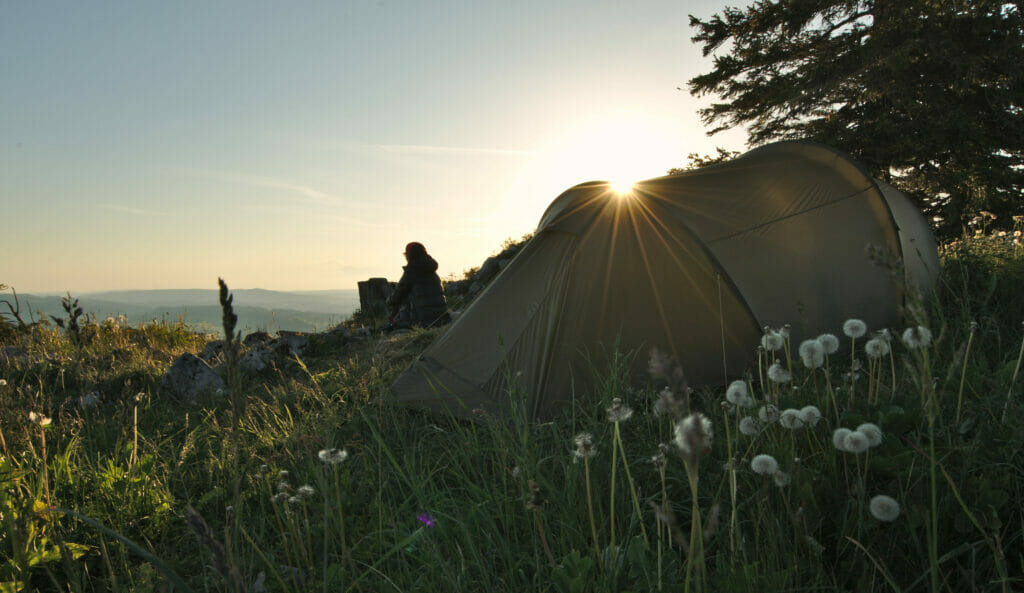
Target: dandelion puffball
point(693, 434)
point(618, 412)
point(764, 464)
point(782, 479)
point(872, 432)
point(772, 340)
point(748, 426)
point(812, 353)
point(790, 418)
point(829, 342)
point(768, 414)
point(917, 337)
point(884, 508)
point(810, 415)
point(778, 373)
point(876, 348)
point(332, 456)
point(856, 442)
point(839, 438)
point(738, 395)
point(854, 328)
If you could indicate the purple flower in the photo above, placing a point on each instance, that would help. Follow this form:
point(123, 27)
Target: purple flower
point(426, 519)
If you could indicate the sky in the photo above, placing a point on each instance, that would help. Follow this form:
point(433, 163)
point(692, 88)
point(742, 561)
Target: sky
point(301, 145)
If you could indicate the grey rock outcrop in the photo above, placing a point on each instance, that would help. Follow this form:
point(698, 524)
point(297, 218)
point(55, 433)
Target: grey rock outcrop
point(212, 350)
point(257, 359)
point(190, 378)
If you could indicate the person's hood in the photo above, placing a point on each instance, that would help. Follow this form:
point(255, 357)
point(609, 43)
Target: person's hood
point(421, 263)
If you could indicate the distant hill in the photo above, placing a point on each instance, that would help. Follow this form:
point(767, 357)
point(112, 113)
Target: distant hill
point(256, 308)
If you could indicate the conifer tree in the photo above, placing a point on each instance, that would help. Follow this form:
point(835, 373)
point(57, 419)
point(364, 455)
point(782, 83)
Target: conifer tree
point(927, 94)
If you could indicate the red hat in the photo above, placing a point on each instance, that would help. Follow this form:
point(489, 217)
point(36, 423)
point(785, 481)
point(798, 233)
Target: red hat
point(415, 248)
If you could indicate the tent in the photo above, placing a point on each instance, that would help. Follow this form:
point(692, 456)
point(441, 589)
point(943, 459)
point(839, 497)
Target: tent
point(695, 263)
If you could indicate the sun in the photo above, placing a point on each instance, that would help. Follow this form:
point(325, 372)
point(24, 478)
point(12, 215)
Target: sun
point(621, 187)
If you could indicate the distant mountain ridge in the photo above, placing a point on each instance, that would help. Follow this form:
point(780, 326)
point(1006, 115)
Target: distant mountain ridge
point(256, 308)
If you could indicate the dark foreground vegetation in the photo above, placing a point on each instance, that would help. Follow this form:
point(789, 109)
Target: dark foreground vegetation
point(308, 478)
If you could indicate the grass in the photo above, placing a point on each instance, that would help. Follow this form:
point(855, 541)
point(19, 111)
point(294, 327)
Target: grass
point(233, 495)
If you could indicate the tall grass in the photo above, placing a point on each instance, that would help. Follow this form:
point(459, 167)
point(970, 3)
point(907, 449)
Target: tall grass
point(316, 481)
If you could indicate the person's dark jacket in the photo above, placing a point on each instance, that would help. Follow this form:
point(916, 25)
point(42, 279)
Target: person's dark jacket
point(420, 288)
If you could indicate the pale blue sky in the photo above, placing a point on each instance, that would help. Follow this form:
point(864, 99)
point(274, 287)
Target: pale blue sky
point(300, 145)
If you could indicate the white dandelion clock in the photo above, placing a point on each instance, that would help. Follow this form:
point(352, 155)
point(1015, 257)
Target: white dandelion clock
point(917, 337)
point(585, 449)
point(812, 353)
point(782, 479)
point(876, 348)
point(810, 415)
point(749, 426)
point(693, 435)
point(856, 442)
point(854, 328)
point(768, 414)
point(884, 508)
point(772, 340)
point(872, 432)
point(38, 419)
point(618, 412)
point(829, 342)
point(790, 418)
point(764, 464)
point(778, 373)
point(332, 456)
point(738, 395)
point(839, 438)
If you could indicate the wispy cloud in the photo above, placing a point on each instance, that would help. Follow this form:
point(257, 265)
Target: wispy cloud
point(430, 149)
point(311, 194)
point(130, 210)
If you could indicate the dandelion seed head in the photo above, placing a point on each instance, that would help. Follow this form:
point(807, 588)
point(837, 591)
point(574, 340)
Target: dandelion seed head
point(782, 479)
point(38, 419)
point(283, 487)
point(854, 328)
point(876, 348)
point(658, 460)
point(749, 426)
point(778, 373)
point(856, 442)
point(693, 435)
point(829, 342)
point(810, 415)
point(764, 464)
point(618, 412)
point(872, 432)
point(305, 491)
point(294, 500)
point(584, 446)
point(283, 474)
point(772, 340)
point(812, 353)
point(839, 438)
point(790, 418)
point(784, 331)
point(768, 414)
point(917, 337)
point(3, 382)
point(332, 456)
point(884, 508)
point(738, 395)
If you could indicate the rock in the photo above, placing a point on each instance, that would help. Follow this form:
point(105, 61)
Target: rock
point(213, 350)
point(257, 359)
point(489, 268)
point(256, 337)
point(295, 342)
point(190, 378)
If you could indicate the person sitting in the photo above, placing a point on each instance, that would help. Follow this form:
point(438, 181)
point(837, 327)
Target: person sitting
point(418, 299)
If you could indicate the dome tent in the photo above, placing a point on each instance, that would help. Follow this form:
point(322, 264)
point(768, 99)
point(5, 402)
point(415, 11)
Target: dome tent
point(694, 264)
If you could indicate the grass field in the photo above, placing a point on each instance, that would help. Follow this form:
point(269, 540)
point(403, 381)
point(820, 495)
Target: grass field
point(307, 478)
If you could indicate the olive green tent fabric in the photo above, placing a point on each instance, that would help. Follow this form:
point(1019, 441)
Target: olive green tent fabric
point(694, 264)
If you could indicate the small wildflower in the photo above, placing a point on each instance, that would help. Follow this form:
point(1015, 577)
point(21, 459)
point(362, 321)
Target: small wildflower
point(617, 412)
point(332, 456)
point(778, 373)
point(738, 395)
point(305, 491)
point(768, 414)
point(426, 519)
point(38, 419)
point(748, 426)
point(584, 446)
point(839, 438)
point(772, 341)
point(811, 415)
point(693, 435)
point(790, 418)
point(917, 337)
point(3, 382)
point(764, 464)
point(856, 442)
point(812, 353)
point(872, 432)
point(876, 348)
point(884, 508)
point(829, 342)
point(854, 328)
point(782, 479)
